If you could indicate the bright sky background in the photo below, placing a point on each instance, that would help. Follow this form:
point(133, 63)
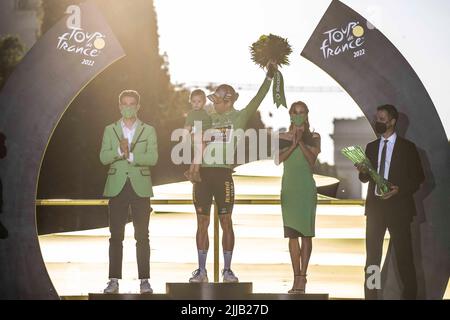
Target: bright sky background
point(208, 41)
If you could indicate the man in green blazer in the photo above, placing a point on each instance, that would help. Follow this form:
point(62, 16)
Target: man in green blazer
point(129, 148)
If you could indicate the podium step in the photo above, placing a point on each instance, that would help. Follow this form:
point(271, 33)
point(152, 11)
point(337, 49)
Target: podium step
point(286, 296)
point(252, 296)
point(127, 296)
point(209, 291)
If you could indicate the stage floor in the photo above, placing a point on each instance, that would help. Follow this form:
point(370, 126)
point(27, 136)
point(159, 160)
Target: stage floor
point(78, 262)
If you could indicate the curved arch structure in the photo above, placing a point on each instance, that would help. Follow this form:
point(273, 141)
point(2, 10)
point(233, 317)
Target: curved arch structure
point(371, 69)
point(31, 104)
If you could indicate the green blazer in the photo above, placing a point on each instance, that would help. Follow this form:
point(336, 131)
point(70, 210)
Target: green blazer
point(145, 151)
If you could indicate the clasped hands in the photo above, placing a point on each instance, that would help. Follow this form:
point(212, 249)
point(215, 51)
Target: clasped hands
point(124, 148)
point(297, 138)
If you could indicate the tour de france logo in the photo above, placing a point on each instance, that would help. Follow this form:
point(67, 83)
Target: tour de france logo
point(78, 41)
point(350, 37)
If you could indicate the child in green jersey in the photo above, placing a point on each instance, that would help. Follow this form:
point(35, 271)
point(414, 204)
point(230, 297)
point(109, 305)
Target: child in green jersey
point(197, 120)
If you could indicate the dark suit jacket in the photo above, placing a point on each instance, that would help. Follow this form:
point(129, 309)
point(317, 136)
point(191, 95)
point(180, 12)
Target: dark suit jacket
point(405, 172)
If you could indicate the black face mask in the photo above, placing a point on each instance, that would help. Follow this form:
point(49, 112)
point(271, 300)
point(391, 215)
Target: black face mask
point(380, 127)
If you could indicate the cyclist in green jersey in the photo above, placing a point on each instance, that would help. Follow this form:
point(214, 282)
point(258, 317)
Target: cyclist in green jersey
point(217, 180)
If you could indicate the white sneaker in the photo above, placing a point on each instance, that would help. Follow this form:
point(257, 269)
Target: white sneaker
point(112, 287)
point(146, 287)
point(228, 276)
point(199, 276)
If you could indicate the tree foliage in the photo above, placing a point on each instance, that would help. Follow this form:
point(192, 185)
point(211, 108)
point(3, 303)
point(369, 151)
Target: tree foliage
point(11, 52)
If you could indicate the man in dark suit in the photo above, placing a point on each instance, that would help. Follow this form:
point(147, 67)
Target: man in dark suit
point(397, 160)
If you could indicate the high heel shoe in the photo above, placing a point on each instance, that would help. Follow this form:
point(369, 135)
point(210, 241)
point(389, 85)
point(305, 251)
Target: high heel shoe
point(301, 280)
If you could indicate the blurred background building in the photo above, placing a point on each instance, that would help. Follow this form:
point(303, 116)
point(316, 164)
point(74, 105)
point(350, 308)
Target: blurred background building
point(348, 132)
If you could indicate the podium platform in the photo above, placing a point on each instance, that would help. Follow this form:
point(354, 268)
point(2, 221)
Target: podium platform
point(208, 291)
point(288, 296)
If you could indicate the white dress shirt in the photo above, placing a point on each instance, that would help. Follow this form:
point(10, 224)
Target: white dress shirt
point(128, 134)
point(389, 149)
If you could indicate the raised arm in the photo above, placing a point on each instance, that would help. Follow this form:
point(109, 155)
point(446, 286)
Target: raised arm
point(254, 104)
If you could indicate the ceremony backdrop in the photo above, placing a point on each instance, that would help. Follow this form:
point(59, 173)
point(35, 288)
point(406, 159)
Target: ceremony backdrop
point(56, 69)
point(373, 72)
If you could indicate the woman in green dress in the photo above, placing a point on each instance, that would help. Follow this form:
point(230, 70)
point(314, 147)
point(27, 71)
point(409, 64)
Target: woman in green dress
point(299, 149)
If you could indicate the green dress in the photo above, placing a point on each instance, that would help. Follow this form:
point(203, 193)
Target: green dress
point(298, 197)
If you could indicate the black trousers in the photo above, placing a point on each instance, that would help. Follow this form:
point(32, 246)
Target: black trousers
point(400, 232)
point(118, 217)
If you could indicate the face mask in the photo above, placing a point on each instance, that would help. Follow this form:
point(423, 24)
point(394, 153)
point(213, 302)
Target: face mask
point(297, 120)
point(129, 112)
point(380, 127)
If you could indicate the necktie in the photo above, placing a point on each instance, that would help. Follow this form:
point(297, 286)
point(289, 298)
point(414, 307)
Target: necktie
point(382, 163)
